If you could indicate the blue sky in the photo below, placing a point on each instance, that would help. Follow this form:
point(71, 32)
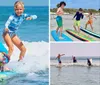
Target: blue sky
point(94, 4)
point(26, 2)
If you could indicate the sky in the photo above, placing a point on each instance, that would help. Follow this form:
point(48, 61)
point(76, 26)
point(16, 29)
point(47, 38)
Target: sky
point(76, 49)
point(26, 2)
point(94, 4)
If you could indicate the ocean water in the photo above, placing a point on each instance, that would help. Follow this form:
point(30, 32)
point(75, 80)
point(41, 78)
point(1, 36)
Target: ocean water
point(34, 30)
point(34, 69)
point(75, 74)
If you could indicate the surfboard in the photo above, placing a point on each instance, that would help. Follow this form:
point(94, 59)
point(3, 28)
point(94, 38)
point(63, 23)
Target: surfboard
point(6, 74)
point(56, 36)
point(2, 48)
point(90, 32)
point(79, 36)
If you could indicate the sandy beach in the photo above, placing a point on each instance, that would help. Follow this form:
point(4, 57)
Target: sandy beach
point(68, 23)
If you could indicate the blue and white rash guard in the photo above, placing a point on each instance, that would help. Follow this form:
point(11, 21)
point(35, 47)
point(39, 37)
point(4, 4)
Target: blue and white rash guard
point(15, 21)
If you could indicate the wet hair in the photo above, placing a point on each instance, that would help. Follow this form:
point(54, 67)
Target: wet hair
point(62, 3)
point(18, 2)
point(80, 9)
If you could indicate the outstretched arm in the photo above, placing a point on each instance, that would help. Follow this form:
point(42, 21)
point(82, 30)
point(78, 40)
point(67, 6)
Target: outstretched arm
point(62, 54)
point(30, 17)
point(94, 17)
point(8, 22)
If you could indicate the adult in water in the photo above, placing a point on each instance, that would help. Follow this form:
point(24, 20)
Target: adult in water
point(59, 58)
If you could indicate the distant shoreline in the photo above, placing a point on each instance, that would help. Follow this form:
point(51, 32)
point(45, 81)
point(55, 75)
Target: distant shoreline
point(73, 11)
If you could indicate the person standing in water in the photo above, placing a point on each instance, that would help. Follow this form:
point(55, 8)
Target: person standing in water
point(12, 24)
point(59, 20)
point(90, 21)
point(59, 58)
point(74, 59)
point(89, 62)
point(79, 15)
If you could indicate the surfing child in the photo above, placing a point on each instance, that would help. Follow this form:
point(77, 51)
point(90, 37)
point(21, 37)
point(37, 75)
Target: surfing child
point(12, 24)
point(74, 59)
point(79, 15)
point(59, 21)
point(90, 21)
point(58, 57)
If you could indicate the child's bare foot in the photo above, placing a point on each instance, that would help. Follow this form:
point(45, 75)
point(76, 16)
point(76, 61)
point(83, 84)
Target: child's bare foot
point(60, 37)
point(20, 59)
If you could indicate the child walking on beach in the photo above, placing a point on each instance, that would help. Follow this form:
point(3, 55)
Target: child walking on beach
point(12, 24)
point(90, 21)
point(79, 15)
point(59, 21)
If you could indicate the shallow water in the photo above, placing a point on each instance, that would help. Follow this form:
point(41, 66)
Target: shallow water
point(75, 75)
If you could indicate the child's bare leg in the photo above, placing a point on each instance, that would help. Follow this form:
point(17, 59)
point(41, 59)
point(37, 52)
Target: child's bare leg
point(78, 29)
point(57, 29)
point(61, 31)
point(20, 46)
point(9, 43)
point(75, 28)
point(85, 26)
point(91, 27)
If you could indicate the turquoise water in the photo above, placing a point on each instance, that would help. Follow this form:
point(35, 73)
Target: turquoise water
point(34, 30)
point(36, 78)
point(34, 35)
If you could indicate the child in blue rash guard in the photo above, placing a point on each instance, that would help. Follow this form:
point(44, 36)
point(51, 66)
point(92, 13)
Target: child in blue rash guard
point(12, 24)
point(79, 15)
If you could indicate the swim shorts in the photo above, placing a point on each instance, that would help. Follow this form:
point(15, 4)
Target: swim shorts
point(59, 21)
point(11, 34)
point(89, 22)
point(77, 22)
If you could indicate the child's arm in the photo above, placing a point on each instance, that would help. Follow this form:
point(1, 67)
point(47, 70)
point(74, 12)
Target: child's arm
point(82, 16)
point(62, 54)
point(8, 22)
point(94, 17)
point(75, 15)
point(30, 17)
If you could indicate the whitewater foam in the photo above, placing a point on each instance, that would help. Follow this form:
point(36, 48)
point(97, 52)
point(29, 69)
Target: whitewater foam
point(36, 58)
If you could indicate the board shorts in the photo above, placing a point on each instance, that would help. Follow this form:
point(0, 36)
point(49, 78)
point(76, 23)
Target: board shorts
point(89, 22)
point(59, 60)
point(59, 21)
point(11, 34)
point(77, 23)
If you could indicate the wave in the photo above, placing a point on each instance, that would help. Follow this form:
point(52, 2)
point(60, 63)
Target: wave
point(36, 58)
point(76, 64)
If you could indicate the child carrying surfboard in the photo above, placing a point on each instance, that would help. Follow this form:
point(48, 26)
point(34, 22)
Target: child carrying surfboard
point(90, 21)
point(78, 16)
point(59, 20)
point(9, 34)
